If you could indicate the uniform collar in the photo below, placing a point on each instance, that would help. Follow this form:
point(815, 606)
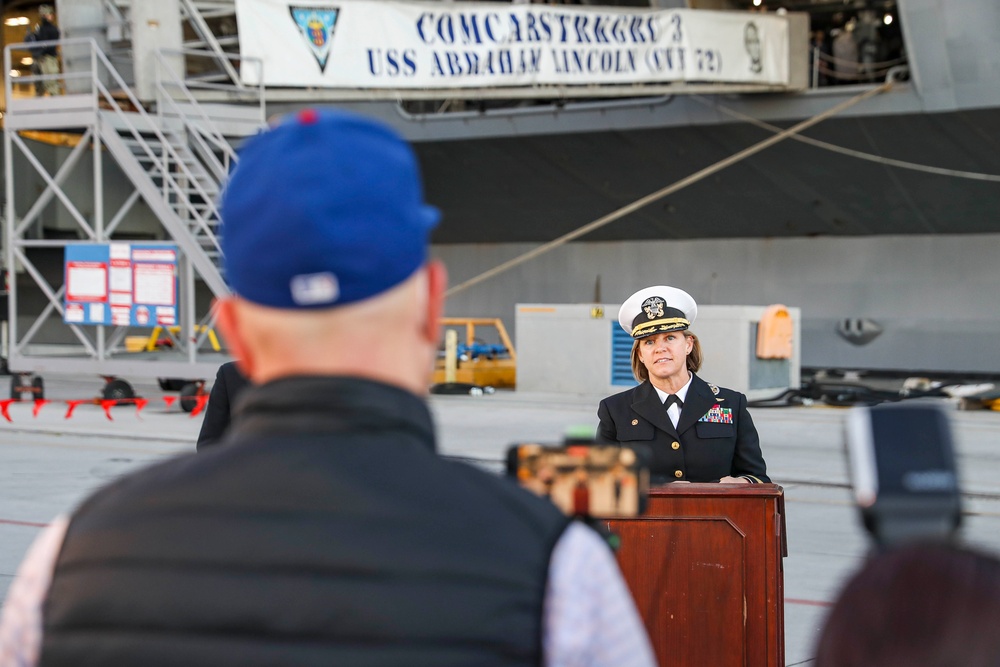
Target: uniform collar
point(698, 399)
point(681, 393)
point(648, 405)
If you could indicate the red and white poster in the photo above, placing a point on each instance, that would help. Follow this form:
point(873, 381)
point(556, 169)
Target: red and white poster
point(154, 284)
point(86, 281)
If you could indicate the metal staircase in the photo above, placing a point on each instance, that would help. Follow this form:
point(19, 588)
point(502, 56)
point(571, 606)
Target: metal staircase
point(176, 157)
point(211, 44)
point(213, 22)
point(196, 203)
point(175, 185)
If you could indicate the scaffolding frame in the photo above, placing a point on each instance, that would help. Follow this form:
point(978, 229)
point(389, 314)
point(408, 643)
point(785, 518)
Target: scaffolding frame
point(176, 158)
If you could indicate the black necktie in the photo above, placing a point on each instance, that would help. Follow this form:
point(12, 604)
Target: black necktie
point(671, 399)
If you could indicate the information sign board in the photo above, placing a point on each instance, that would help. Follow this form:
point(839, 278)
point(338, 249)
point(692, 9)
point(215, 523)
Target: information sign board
point(121, 284)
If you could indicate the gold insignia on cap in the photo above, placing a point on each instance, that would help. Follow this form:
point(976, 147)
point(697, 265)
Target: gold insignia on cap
point(653, 307)
point(669, 324)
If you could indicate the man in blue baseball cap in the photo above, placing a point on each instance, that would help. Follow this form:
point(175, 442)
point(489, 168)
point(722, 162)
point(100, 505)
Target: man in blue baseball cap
point(327, 531)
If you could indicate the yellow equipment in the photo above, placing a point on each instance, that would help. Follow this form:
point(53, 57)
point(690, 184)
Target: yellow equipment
point(475, 362)
point(153, 341)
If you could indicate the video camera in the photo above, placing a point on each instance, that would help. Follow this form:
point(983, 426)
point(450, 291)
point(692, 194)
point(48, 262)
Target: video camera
point(584, 479)
point(904, 473)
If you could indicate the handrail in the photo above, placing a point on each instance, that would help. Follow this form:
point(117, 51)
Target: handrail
point(30, 47)
point(214, 136)
point(850, 70)
point(167, 147)
point(235, 90)
point(200, 133)
point(118, 19)
point(100, 92)
point(101, 97)
point(198, 23)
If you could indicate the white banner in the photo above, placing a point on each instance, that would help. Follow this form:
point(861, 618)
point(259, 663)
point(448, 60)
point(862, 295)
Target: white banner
point(385, 44)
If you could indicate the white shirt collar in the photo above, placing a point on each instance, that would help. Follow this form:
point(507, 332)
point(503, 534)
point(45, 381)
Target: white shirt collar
point(681, 393)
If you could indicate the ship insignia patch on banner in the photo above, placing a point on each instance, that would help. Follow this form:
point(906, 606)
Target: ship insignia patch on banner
point(718, 415)
point(317, 24)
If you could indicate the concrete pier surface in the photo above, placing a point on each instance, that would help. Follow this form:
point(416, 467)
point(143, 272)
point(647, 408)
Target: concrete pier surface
point(49, 462)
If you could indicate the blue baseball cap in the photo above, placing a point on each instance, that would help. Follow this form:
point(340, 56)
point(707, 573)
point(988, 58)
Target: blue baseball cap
point(324, 209)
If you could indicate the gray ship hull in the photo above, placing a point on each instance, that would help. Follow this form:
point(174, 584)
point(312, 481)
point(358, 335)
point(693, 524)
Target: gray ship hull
point(853, 242)
point(536, 188)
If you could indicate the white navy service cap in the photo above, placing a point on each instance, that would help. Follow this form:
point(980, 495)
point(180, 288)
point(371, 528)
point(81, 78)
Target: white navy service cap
point(657, 309)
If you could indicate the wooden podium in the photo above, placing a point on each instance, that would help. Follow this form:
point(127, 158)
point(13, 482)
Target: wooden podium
point(704, 565)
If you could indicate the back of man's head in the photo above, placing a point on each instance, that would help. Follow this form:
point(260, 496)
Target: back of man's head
point(325, 238)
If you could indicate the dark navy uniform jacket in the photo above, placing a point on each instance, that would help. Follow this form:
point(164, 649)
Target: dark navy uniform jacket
point(715, 435)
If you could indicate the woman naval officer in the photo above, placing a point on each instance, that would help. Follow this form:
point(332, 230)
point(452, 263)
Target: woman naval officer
point(698, 432)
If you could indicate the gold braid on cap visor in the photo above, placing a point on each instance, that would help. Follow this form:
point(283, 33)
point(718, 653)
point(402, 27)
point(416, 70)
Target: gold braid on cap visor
point(671, 324)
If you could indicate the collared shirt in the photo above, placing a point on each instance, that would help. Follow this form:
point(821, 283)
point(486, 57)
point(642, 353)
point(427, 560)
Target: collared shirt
point(674, 411)
point(21, 622)
point(590, 618)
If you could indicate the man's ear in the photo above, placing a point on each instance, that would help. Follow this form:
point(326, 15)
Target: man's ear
point(437, 283)
point(228, 321)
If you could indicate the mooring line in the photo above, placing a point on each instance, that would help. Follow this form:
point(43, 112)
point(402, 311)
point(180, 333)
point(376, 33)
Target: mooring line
point(670, 189)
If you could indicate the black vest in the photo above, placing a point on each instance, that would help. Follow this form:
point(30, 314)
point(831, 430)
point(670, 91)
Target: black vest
point(345, 540)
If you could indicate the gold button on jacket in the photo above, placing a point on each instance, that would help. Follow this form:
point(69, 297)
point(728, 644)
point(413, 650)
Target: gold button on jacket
point(678, 474)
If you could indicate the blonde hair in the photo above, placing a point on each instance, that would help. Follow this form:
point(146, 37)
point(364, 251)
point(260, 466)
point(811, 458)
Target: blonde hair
point(693, 359)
